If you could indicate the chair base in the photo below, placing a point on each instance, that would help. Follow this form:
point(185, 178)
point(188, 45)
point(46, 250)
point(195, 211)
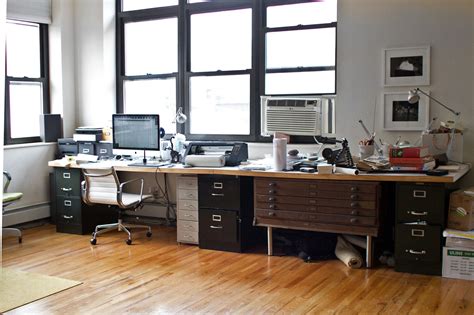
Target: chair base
point(120, 226)
point(13, 232)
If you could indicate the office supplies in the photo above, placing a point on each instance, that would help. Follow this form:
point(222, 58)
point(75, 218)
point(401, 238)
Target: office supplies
point(371, 138)
point(346, 170)
point(307, 169)
point(234, 152)
point(279, 154)
point(324, 168)
point(136, 132)
point(67, 146)
point(205, 160)
point(86, 147)
point(88, 134)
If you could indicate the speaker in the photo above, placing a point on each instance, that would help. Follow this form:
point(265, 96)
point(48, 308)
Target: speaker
point(51, 127)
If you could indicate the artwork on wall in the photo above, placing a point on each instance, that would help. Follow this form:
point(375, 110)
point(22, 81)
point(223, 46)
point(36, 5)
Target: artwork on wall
point(399, 114)
point(406, 66)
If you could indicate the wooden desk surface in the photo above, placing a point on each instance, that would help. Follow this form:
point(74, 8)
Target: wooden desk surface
point(178, 169)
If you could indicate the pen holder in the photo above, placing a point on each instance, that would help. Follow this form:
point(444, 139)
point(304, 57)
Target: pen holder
point(365, 151)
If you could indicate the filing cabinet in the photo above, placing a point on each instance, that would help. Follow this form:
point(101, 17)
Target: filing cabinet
point(187, 210)
point(72, 215)
point(420, 214)
point(225, 212)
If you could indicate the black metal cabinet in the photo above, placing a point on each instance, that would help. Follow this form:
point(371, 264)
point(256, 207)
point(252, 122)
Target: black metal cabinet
point(72, 215)
point(420, 220)
point(225, 212)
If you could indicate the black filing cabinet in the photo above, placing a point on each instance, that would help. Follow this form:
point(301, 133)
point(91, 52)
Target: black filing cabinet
point(72, 215)
point(420, 221)
point(225, 212)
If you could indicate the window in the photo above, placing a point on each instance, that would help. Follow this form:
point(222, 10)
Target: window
point(215, 58)
point(26, 82)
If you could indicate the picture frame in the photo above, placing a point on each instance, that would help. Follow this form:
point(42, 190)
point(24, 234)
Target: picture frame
point(406, 66)
point(398, 114)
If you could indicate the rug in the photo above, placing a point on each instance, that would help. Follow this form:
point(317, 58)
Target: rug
point(18, 288)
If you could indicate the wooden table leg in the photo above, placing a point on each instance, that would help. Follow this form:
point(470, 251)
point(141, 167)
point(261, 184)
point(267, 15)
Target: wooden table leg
point(269, 241)
point(369, 252)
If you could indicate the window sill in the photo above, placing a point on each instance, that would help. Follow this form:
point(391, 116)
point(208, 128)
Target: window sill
point(28, 145)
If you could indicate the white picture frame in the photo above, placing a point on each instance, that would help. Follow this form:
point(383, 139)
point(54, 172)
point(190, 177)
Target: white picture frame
point(399, 115)
point(406, 66)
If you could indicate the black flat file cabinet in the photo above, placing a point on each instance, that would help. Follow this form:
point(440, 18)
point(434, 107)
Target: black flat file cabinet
point(72, 215)
point(420, 210)
point(225, 212)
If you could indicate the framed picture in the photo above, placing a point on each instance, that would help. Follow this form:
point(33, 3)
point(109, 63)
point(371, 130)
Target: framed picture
point(406, 66)
point(399, 114)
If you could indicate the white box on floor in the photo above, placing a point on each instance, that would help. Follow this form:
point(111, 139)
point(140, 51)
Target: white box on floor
point(458, 263)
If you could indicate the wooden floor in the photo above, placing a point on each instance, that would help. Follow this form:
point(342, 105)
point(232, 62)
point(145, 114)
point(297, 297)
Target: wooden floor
point(159, 276)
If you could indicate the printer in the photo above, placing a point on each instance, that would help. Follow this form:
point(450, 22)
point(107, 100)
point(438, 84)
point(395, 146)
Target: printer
point(215, 154)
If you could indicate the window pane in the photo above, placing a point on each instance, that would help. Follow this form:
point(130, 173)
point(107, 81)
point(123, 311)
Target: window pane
point(303, 13)
point(26, 102)
point(151, 47)
point(316, 47)
point(129, 5)
point(220, 105)
point(152, 97)
point(23, 50)
point(321, 82)
point(221, 41)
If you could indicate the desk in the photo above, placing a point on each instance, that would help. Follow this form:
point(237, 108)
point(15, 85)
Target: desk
point(364, 179)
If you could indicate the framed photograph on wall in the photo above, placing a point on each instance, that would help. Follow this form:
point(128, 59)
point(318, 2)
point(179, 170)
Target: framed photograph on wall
point(406, 66)
point(399, 114)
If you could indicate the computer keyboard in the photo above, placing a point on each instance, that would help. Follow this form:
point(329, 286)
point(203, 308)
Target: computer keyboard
point(150, 164)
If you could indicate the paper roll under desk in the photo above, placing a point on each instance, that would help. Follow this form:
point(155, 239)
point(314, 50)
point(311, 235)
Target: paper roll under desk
point(205, 160)
point(348, 254)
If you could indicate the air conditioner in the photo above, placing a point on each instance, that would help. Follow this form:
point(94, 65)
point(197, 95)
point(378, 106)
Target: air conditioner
point(296, 116)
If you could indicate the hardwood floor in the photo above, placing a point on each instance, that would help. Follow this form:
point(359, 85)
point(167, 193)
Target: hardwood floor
point(159, 276)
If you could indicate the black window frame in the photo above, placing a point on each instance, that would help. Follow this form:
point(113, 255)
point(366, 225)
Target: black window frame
point(183, 12)
point(43, 79)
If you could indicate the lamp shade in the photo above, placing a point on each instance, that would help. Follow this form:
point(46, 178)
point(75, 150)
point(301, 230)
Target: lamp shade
point(413, 96)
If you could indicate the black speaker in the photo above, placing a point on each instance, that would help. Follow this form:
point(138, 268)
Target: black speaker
point(51, 127)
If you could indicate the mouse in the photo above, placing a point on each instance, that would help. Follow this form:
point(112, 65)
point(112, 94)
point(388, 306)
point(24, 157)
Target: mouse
point(118, 157)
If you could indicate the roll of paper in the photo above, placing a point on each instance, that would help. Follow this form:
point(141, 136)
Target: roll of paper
point(205, 160)
point(279, 154)
point(356, 240)
point(348, 254)
point(345, 170)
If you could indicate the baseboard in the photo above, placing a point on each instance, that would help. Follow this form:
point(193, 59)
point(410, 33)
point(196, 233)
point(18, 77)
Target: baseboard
point(26, 214)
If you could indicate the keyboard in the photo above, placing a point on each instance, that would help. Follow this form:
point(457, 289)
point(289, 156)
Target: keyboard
point(150, 164)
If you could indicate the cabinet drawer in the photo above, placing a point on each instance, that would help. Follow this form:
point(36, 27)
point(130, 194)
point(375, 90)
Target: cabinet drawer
point(286, 207)
point(348, 187)
point(352, 204)
point(286, 200)
point(347, 211)
point(218, 225)
point(187, 194)
point(187, 215)
point(219, 192)
point(187, 182)
point(285, 188)
point(421, 202)
point(68, 182)
point(416, 242)
point(348, 220)
point(68, 210)
point(189, 226)
point(188, 237)
point(290, 215)
point(189, 205)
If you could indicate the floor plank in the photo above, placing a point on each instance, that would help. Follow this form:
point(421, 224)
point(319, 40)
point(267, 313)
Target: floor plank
point(159, 276)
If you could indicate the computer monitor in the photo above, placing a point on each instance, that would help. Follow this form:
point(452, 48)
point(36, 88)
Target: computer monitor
point(136, 132)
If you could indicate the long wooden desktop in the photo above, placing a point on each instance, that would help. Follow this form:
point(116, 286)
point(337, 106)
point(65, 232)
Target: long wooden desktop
point(339, 203)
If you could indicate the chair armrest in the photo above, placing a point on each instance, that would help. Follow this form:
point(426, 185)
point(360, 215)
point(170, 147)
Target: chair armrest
point(120, 191)
point(84, 193)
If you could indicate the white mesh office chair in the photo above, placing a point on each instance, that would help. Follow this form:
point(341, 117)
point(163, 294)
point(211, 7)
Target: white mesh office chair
point(8, 199)
point(102, 186)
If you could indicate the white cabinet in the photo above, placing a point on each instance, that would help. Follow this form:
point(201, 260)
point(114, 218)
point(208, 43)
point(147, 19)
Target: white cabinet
point(187, 210)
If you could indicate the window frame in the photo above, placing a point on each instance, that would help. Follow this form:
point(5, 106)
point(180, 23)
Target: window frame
point(183, 12)
point(43, 79)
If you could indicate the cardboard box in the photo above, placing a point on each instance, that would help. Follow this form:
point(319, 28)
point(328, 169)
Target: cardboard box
point(461, 210)
point(458, 263)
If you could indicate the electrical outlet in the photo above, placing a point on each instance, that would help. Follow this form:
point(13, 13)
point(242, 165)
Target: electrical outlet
point(155, 192)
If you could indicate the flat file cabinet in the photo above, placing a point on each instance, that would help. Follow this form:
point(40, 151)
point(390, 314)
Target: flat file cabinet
point(72, 215)
point(187, 209)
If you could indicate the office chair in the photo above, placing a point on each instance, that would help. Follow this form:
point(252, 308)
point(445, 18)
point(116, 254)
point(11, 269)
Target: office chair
point(8, 199)
point(102, 186)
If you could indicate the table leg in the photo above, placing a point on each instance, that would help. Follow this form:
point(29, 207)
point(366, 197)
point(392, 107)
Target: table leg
point(270, 241)
point(369, 252)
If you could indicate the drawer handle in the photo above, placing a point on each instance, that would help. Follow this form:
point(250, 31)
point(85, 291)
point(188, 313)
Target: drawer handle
point(68, 217)
point(188, 215)
point(354, 189)
point(271, 213)
point(67, 203)
point(271, 199)
point(354, 220)
point(85, 150)
point(415, 252)
point(354, 197)
point(419, 194)
point(354, 212)
point(103, 151)
point(272, 184)
point(354, 204)
point(272, 206)
point(216, 218)
point(218, 185)
point(66, 175)
point(217, 195)
point(215, 227)
point(66, 189)
point(418, 233)
point(418, 213)
point(272, 192)
point(187, 226)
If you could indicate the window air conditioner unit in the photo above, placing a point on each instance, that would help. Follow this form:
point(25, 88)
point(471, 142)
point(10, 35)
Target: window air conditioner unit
point(296, 116)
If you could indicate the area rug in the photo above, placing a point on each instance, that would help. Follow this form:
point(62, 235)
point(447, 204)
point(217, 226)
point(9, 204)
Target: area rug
point(18, 288)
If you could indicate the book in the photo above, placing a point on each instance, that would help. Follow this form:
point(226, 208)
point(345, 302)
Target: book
point(409, 152)
point(411, 161)
point(79, 137)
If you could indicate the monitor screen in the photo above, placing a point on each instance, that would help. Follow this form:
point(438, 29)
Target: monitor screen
point(136, 132)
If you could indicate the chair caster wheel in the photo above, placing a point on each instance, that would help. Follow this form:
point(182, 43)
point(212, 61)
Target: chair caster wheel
point(20, 240)
point(93, 241)
point(129, 242)
point(148, 234)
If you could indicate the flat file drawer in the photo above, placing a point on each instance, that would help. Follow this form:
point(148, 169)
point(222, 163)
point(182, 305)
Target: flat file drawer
point(186, 182)
point(68, 182)
point(187, 194)
point(417, 242)
point(188, 215)
point(420, 202)
point(68, 210)
point(219, 192)
point(189, 205)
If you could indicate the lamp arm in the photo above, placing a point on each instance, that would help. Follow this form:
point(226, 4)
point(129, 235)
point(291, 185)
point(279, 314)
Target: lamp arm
point(440, 103)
